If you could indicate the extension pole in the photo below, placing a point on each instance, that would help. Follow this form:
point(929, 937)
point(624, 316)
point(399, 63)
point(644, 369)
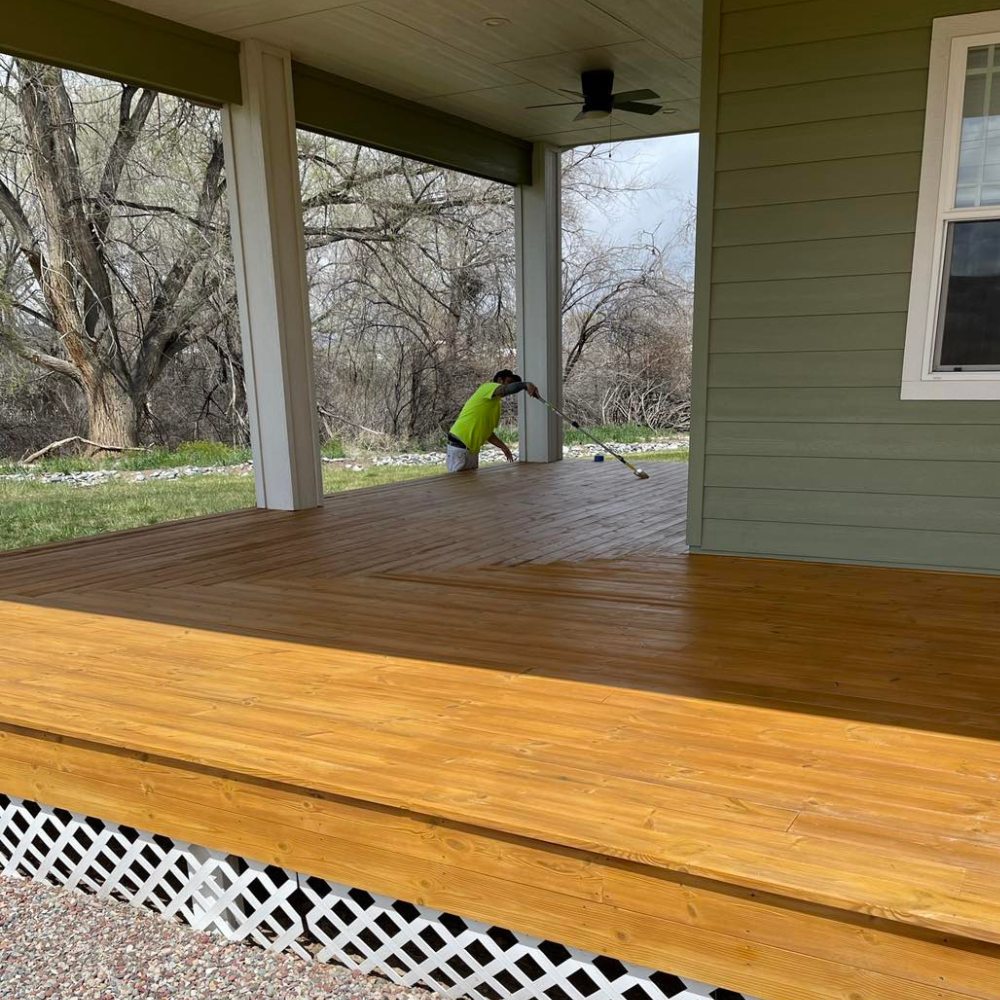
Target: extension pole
point(638, 473)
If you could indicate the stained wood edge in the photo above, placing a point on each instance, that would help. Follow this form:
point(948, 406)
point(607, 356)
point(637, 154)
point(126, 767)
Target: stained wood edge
point(745, 940)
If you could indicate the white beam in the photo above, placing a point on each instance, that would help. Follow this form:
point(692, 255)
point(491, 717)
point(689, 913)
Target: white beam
point(269, 252)
point(538, 237)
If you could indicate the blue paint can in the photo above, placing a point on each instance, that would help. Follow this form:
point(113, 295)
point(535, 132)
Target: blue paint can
point(598, 458)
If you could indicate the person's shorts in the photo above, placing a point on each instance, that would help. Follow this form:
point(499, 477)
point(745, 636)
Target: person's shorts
point(461, 459)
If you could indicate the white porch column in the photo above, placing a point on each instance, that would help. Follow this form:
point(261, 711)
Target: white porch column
point(265, 208)
point(538, 237)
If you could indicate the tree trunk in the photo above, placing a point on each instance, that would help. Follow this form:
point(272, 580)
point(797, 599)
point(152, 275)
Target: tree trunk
point(112, 413)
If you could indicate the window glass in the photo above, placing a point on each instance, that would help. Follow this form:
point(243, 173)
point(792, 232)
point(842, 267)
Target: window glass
point(979, 153)
point(969, 335)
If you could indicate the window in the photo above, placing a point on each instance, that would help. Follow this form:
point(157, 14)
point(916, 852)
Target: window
point(953, 324)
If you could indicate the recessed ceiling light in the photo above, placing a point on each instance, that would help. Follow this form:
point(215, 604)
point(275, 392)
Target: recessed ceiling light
point(496, 22)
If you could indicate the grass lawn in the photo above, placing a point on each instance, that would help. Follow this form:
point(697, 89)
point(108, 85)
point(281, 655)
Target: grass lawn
point(681, 455)
point(201, 453)
point(621, 433)
point(32, 512)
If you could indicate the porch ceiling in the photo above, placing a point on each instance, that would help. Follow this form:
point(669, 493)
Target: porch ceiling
point(440, 53)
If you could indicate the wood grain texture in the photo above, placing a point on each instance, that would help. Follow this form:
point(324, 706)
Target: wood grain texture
point(511, 695)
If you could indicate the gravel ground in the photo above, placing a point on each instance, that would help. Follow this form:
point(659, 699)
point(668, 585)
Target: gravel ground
point(60, 944)
point(98, 477)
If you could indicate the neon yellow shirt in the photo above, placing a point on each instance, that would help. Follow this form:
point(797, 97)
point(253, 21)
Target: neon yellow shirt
point(479, 417)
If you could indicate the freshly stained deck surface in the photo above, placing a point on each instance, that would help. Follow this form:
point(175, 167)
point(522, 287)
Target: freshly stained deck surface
point(527, 657)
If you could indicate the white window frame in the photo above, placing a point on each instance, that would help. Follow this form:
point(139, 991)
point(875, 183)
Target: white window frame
point(951, 39)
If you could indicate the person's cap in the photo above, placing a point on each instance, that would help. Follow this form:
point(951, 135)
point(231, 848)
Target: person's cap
point(506, 373)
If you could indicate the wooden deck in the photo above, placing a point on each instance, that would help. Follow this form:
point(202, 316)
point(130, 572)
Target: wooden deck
point(512, 695)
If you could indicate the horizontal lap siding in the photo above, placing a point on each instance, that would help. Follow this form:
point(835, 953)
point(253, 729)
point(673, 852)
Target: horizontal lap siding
point(809, 450)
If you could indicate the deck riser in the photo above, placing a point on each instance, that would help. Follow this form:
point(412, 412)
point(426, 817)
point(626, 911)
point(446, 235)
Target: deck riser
point(759, 945)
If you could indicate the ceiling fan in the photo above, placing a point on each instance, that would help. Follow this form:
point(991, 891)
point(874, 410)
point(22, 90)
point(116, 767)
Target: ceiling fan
point(599, 99)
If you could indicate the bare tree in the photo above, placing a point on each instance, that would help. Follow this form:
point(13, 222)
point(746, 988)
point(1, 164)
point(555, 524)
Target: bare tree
point(411, 280)
point(626, 304)
point(120, 260)
point(115, 264)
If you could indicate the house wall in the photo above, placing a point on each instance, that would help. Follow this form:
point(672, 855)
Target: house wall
point(802, 446)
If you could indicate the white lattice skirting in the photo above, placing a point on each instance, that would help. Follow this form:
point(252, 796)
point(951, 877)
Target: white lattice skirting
point(317, 920)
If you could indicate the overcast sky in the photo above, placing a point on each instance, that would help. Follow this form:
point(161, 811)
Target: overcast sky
point(669, 165)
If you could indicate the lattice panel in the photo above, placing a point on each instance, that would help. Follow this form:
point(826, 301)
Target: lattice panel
point(284, 911)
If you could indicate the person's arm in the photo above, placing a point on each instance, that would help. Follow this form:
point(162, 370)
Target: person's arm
point(514, 387)
point(494, 440)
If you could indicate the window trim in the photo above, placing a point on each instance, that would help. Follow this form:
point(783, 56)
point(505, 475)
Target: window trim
point(950, 40)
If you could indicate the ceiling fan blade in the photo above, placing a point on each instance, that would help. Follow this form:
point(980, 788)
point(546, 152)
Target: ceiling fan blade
point(580, 116)
point(575, 93)
point(636, 95)
point(639, 109)
point(565, 104)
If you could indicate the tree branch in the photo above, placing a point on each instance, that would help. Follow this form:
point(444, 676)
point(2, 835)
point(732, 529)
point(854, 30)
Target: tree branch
point(34, 456)
point(58, 365)
point(26, 241)
point(130, 125)
point(164, 323)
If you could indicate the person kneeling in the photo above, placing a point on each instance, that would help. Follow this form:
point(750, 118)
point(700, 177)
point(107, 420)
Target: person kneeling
point(477, 423)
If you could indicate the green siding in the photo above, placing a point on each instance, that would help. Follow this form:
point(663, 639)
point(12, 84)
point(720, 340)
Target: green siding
point(806, 368)
point(834, 219)
point(814, 142)
point(884, 94)
point(856, 332)
point(870, 255)
point(914, 477)
point(808, 450)
point(842, 57)
point(865, 510)
point(862, 293)
point(945, 443)
point(895, 173)
point(837, 542)
point(768, 25)
point(867, 405)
